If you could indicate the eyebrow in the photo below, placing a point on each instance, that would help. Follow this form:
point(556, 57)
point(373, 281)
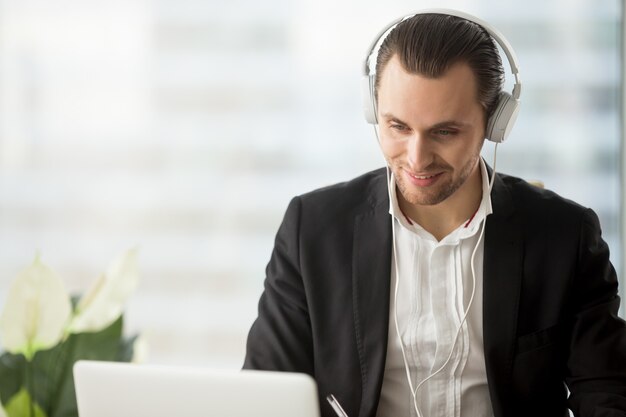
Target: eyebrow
point(445, 123)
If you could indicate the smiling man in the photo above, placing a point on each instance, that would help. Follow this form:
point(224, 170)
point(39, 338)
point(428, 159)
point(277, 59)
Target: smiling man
point(432, 131)
point(437, 287)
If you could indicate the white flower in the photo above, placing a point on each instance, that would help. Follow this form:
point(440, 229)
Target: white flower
point(36, 312)
point(103, 303)
point(140, 350)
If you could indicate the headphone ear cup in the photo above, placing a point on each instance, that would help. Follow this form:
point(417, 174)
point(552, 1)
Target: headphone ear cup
point(503, 118)
point(369, 99)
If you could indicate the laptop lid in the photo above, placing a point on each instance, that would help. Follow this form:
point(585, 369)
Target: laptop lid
point(106, 389)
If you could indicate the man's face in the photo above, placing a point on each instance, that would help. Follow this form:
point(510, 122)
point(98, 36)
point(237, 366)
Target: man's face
point(431, 131)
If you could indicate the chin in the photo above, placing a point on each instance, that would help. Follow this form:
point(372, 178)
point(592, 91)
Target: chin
point(421, 198)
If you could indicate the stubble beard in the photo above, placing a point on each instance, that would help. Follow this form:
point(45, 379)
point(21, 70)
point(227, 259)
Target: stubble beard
point(440, 191)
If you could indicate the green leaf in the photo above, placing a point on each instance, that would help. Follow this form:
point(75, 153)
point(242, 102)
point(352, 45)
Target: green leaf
point(52, 384)
point(11, 375)
point(102, 345)
point(20, 405)
point(126, 349)
point(49, 369)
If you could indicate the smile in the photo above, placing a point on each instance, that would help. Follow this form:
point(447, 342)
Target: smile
point(423, 180)
point(422, 177)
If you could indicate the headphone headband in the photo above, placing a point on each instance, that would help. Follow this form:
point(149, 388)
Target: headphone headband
point(495, 34)
point(505, 113)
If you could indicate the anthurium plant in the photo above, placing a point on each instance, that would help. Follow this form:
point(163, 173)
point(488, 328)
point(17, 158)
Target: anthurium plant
point(44, 331)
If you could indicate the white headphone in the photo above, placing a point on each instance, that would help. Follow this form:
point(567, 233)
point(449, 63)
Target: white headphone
point(503, 118)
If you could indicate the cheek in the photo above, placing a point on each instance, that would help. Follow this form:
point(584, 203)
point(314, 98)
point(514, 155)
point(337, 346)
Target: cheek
point(392, 149)
point(464, 158)
point(465, 148)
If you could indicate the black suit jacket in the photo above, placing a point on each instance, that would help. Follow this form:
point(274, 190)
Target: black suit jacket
point(549, 304)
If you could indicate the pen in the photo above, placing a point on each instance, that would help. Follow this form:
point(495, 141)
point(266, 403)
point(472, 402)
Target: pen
point(336, 406)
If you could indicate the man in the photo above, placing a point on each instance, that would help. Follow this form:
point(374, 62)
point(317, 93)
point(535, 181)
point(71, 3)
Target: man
point(479, 295)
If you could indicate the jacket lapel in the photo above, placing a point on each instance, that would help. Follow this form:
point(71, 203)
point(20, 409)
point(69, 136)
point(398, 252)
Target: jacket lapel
point(502, 278)
point(370, 283)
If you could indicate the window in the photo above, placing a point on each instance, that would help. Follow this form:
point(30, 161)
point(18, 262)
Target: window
point(186, 126)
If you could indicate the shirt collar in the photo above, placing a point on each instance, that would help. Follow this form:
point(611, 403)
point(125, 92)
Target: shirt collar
point(467, 229)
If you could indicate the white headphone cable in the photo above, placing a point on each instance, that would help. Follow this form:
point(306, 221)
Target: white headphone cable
point(397, 276)
point(466, 312)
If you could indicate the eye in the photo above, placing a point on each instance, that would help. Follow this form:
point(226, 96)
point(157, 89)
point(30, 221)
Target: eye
point(398, 127)
point(444, 132)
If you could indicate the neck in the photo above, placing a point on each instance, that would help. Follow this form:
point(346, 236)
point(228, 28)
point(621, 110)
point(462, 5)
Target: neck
point(442, 219)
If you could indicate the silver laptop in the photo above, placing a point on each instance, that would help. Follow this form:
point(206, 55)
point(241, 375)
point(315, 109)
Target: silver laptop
point(107, 389)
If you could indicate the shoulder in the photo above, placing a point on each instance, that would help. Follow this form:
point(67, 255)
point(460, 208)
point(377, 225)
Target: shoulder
point(365, 191)
point(335, 207)
point(542, 211)
point(538, 201)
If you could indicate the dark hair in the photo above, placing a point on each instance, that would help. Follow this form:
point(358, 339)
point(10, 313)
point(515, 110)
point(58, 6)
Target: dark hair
point(428, 44)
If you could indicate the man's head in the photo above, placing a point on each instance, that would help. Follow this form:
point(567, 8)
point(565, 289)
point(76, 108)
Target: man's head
point(429, 44)
point(438, 79)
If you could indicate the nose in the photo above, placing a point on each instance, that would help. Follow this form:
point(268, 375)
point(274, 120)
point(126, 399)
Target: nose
point(419, 154)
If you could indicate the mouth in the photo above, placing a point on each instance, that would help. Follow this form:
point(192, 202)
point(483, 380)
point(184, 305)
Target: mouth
point(423, 177)
point(423, 180)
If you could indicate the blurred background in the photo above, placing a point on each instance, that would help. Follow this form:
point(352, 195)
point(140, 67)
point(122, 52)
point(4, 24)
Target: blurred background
point(185, 127)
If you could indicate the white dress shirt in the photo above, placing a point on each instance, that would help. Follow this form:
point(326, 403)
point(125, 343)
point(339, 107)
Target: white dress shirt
point(434, 290)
